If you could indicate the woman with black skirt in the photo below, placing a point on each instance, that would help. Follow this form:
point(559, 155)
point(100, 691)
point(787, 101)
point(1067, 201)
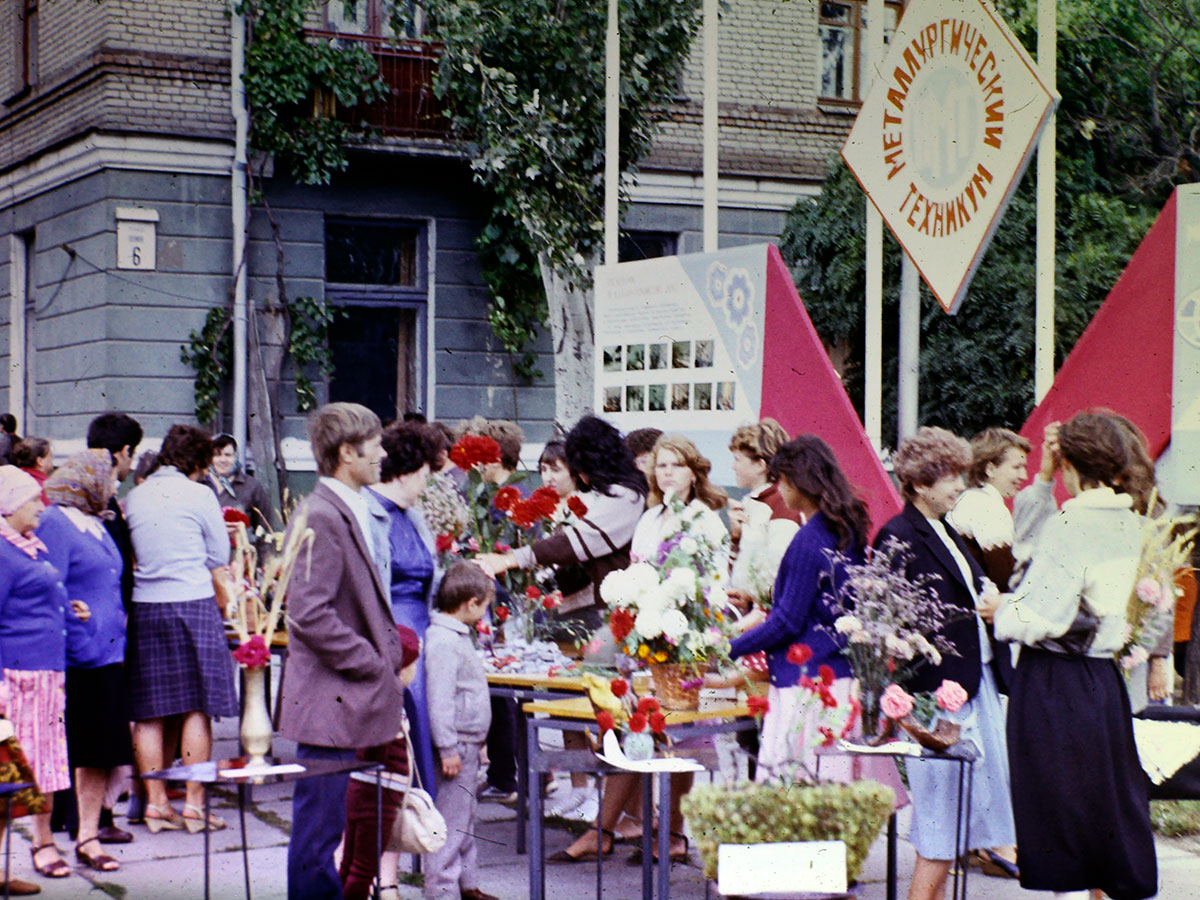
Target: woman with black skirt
point(1079, 793)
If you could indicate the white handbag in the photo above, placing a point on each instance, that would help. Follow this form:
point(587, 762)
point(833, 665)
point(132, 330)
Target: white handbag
point(419, 827)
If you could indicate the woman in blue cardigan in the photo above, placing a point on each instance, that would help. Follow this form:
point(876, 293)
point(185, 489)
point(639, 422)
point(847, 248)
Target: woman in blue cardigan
point(98, 714)
point(810, 482)
point(33, 651)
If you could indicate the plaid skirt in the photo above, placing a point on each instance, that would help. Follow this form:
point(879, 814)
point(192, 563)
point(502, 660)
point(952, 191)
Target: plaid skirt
point(36, 707)
point(180, 661)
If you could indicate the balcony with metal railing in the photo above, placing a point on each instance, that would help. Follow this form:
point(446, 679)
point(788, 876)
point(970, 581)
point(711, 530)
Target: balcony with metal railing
point(410, 109)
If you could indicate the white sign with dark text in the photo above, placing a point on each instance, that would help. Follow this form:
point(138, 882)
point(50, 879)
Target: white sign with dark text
point(945, 134)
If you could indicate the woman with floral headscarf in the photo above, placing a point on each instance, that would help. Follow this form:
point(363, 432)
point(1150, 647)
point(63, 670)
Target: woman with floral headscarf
point(33, 651)
point(98, 713)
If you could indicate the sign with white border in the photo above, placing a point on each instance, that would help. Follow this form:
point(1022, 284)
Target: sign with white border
point(945, 134)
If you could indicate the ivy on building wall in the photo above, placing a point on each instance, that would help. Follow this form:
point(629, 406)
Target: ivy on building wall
point(209, 352)
point(290, 77)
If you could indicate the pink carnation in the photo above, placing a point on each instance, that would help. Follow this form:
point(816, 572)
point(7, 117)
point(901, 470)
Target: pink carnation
point(951, 696)
point(1149, 591)
point(896, 703)
point(254, 653)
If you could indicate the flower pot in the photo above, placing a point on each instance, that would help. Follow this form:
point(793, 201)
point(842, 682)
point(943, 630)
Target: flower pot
point(668, 685)
point(255, 729)
point(764, 813)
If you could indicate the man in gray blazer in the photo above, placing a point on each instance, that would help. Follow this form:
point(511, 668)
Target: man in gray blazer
point(341, 686)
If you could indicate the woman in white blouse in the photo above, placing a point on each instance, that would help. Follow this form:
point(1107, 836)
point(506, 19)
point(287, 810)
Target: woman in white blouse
point(1079, 794)
point(680, 473)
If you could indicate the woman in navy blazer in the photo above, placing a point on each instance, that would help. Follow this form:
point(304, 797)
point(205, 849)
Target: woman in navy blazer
point(930, 467)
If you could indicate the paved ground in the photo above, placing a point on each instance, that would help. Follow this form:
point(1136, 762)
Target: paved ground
point(170, 865)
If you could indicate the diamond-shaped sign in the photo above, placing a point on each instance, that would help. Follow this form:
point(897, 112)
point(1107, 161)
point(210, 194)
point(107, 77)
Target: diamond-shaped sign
point(945, 134)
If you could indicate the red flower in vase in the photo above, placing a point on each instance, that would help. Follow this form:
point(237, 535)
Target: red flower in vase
point(253, 653)
point(473, 450)
point(605, 720)
point(621, 623)
point(533, 592)
point(648, 705)
point(501, 614)
point(444, 543)
point(619, 687)
point(825, 673)
point(506, 498)
point(658, 722)
point(637, 722)
point(577, 506)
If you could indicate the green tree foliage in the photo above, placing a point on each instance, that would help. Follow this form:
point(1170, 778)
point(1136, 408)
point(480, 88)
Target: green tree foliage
point(288, 75)
point(525, 82)
point(1116, 166)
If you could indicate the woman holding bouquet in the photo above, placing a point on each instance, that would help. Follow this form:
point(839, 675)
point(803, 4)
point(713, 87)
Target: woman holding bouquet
point(33, 651)
point(930, 467)
point(1079, 792)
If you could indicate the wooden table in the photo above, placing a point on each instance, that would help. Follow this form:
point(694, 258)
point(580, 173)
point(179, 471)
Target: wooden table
point(574, 714)
point(523, 687)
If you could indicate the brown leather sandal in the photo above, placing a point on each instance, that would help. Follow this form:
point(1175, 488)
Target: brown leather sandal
point(56, 869)
point(101, 862)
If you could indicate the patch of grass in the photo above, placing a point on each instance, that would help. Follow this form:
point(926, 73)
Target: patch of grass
point(112, 889)
point(1175, 818)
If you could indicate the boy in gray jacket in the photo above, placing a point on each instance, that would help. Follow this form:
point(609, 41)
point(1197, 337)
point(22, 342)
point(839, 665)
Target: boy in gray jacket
point(459, 715)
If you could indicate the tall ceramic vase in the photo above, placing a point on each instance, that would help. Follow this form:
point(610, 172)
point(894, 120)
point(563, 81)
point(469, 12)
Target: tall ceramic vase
point(256, 721)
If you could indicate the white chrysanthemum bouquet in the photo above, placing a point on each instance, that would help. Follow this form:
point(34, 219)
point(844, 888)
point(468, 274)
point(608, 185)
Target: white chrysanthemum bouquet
point(670, 609)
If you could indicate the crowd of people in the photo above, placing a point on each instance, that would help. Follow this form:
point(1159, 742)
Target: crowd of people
point(110, 617)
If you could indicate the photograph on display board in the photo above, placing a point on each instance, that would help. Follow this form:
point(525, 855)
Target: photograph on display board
point(635, 357)
point(612, 399)
point(612, 358)
point(657, 400)
point(681, 355)
point(725, 397)
point(659, 356)
point(702, 396)
point(635, 398)
point(679, 396)
point(704, 354)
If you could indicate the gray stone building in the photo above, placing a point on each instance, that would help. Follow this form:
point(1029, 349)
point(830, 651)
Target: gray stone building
point(116, 144)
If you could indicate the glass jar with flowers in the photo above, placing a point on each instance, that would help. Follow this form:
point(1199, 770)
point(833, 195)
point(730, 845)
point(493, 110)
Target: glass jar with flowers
point(639, 722)
point(890, 625)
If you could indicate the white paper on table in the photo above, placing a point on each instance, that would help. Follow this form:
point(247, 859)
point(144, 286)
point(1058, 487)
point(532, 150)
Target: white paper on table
point(615, 757)
point(781, 869)
point(1165, 747)
point(902, 748)
point(255, 771)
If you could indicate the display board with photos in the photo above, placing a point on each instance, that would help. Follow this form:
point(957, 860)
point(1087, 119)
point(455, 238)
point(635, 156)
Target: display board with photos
point(679, 343)
point(703, 343)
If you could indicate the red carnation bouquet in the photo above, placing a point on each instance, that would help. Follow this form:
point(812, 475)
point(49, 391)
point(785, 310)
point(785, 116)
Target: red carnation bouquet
point(502, 518)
